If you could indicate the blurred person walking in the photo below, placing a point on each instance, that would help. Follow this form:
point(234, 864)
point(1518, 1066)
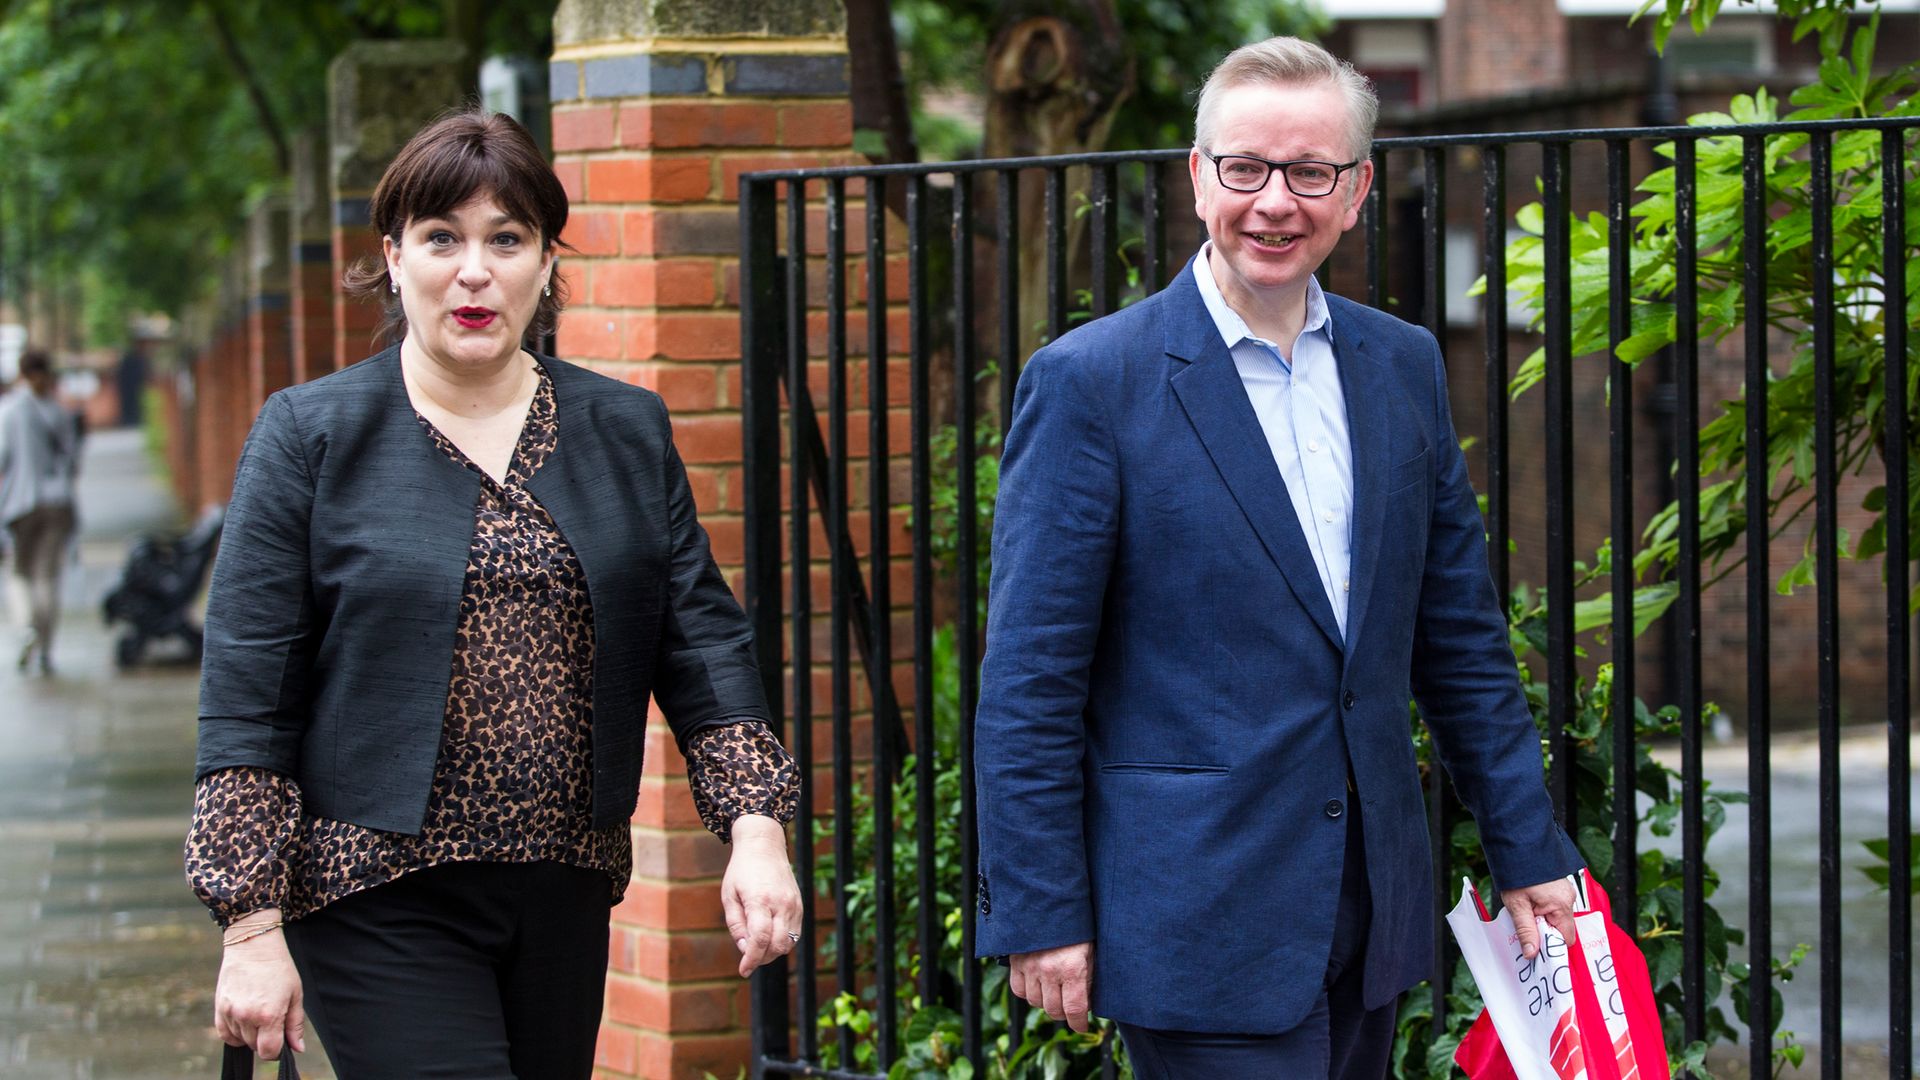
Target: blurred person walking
point(39, 462)
point(452, 576)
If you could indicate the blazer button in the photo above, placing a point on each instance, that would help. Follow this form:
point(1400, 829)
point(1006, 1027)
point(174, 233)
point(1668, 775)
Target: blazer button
point(1334, 809)
point(1348, 700)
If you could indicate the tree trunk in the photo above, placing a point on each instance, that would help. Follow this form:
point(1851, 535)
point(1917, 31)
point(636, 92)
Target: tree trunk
point(878, 89)
point(1056, 78)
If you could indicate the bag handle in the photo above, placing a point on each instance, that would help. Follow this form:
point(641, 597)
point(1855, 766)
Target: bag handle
point(237, 1064)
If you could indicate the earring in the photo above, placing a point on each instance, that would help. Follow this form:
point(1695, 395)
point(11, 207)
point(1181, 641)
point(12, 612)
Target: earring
point(547, 290)
point(395, 286)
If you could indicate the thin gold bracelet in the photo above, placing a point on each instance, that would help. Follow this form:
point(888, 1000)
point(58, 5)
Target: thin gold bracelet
point(251, 932)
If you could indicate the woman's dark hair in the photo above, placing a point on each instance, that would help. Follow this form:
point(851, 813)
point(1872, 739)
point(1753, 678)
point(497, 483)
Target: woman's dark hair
point(36, 362)
point(461, 155)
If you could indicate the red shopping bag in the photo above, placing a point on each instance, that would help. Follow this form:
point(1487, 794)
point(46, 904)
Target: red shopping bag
point(1580, 1010)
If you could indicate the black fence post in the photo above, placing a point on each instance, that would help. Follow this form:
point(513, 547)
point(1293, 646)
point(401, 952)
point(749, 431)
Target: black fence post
point(775, 351)
point(762, 331)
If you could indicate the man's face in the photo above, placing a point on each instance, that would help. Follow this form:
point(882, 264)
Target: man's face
point(1270, 241)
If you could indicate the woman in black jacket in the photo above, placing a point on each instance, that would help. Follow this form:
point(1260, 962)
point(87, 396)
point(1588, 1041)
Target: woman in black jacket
point(452, 577)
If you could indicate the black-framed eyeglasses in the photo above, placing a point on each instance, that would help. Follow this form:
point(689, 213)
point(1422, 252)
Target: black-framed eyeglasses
point(1308, 179)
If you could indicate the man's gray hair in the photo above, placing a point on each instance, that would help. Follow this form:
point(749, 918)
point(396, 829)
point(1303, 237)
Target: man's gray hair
point(1289, 61)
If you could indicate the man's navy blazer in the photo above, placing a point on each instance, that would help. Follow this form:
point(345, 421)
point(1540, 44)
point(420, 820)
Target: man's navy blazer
point(1168, 709)
point(336, 593)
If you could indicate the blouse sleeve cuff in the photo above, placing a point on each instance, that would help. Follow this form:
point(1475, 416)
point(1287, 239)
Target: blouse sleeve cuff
point(741, 768)
point(239, 847)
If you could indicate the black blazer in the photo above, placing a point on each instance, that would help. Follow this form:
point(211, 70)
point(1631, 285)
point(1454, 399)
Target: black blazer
point(330, 621)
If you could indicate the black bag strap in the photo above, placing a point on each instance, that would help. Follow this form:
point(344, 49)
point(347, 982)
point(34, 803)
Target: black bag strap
point(237, 1064)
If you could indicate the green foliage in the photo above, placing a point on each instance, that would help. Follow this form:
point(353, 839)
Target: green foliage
point(1882, 875)
point(87, 190)
point(930, 1033)
point(1660, 894)
point(943, 448)
point(132, 146)
point(1828, 18)
point(1846, 89)
point(1174, 43)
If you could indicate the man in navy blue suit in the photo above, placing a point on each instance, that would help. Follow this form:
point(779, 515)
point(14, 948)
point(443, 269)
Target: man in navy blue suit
point(1234, 536)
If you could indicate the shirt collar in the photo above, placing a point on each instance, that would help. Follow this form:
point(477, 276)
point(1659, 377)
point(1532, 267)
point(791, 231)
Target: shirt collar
point(1232, 327)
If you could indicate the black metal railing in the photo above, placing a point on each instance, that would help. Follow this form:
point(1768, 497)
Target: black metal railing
point(945, 333)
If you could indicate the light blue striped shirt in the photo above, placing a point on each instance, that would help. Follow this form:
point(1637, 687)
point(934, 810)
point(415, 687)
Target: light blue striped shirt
point(1303, 411)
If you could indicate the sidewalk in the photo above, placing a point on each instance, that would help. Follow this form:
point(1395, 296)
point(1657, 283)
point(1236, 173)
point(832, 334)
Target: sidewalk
point(1795, 821)
point(107, 961)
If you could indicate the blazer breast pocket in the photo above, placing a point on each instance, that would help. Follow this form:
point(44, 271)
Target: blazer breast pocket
point(1408, 473)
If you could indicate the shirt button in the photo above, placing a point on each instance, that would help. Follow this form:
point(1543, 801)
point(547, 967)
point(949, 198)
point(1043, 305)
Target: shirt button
point(1346, 584)
point(1313, 446)
point(1328, 516)
point(1334, 809)
point(1348, 700)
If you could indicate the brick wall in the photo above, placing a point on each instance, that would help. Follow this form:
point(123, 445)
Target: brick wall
point(651, 132)
point(1487, 48)
point(219, 412)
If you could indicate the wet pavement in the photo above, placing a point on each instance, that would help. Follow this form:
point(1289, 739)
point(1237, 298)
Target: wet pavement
point(1795, 866)
point(107, 961)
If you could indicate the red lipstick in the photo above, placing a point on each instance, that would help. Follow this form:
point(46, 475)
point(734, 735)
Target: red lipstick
point(474, 318)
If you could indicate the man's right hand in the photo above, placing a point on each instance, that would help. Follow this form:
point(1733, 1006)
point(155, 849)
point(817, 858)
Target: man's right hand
point(257, 1002)
point(1057, 980)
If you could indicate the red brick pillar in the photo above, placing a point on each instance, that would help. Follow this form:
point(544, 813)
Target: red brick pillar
point(378, 94)
point(269, 342)
point(310, 276)
point(657, 109)
point(220, 392)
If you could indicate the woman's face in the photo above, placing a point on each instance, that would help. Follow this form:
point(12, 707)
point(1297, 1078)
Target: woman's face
point(470, 282)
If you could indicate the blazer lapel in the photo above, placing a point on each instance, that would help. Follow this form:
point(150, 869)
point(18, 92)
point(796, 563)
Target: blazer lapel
point(1215, 400)
point(557, 484)
point(1363, 378)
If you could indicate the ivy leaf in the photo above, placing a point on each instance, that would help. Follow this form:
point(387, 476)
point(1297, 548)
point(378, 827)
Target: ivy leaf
point(1649, 603)
point(1663, 960)
point(1440, 1054)
point(1661, 819)
point(1881, 849)
point(1531, 371)
point(928, 1021)
point(1873, 542)
point(1597, 847)
point(1799, 575)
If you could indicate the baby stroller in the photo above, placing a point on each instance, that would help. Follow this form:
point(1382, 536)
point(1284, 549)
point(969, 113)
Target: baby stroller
point(161, 579)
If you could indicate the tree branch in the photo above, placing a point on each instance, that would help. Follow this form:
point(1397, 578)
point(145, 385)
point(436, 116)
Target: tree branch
point(257, 92)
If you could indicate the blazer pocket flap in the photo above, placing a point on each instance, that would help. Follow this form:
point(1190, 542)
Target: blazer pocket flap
point(1409, 472)
point(1171, 768)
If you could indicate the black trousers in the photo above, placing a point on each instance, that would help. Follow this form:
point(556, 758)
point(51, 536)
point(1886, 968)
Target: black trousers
point(475, 971)
point(1341, 1039)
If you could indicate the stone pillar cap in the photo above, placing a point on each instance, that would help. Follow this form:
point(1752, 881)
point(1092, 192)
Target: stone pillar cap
point(379, 94)
point(586, 22)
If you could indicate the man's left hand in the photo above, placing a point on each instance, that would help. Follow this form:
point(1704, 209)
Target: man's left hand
point(1549, 900)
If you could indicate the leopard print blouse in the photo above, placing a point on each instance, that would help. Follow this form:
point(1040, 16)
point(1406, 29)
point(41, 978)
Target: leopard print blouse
point(513, 780)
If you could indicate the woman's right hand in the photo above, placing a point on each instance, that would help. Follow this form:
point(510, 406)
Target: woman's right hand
point(257, 1001)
